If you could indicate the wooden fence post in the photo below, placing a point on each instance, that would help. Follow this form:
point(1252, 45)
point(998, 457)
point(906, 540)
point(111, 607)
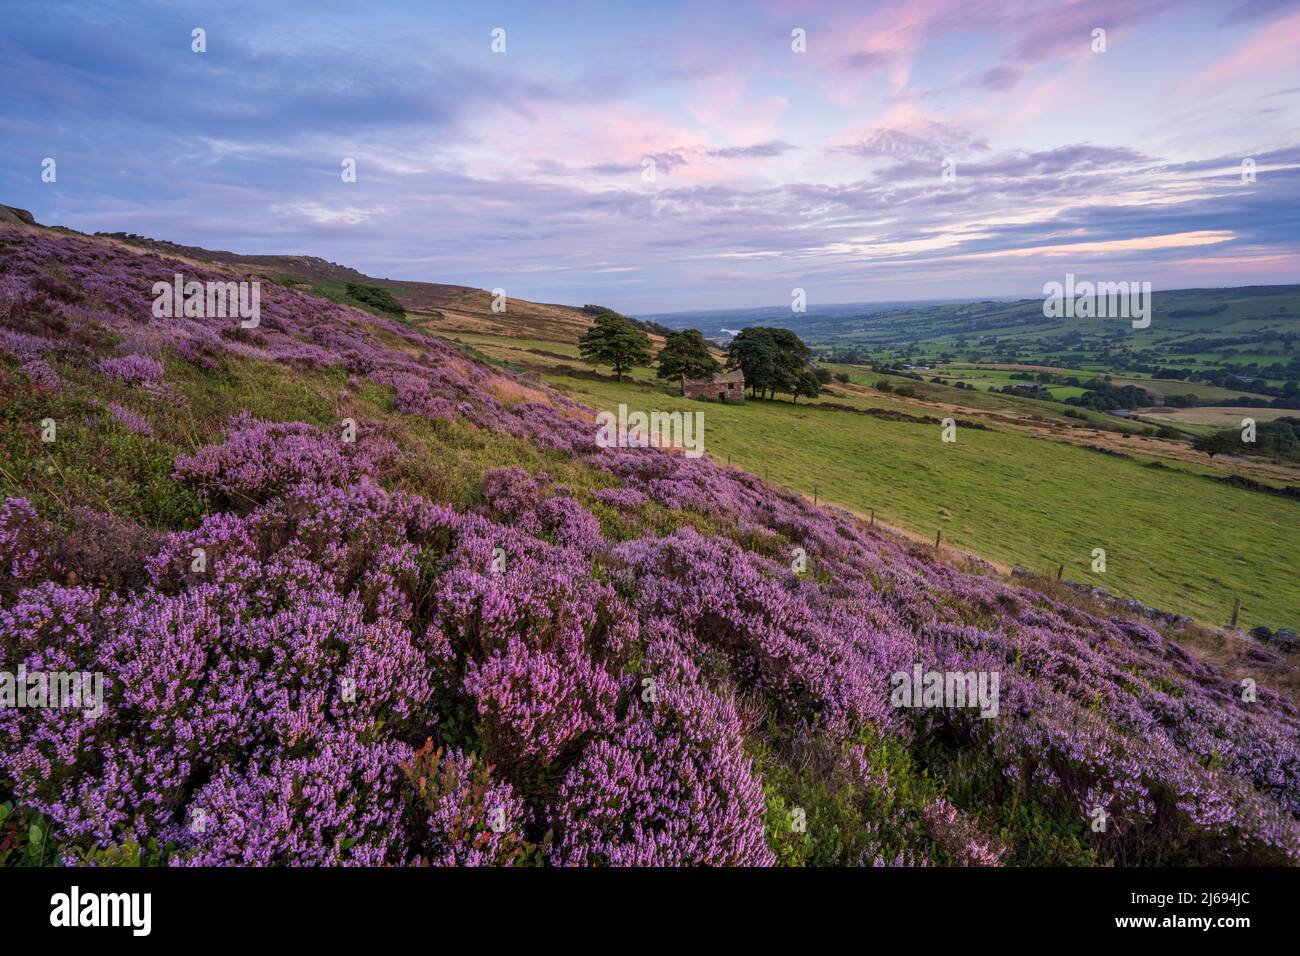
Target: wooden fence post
point(938, 536)
point(873, 517)
point(1060, 571)
point(1236, 610)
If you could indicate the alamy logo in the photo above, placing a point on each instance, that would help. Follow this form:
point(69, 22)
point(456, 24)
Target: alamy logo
point(211, 300)
point(683, 430)
point(103, 909)
point(1102, 300)
point(60, 690)
point(946, 689)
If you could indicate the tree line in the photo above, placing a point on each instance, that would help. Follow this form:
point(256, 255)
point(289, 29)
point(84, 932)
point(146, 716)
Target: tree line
point(775, 361)
point(1279, 439)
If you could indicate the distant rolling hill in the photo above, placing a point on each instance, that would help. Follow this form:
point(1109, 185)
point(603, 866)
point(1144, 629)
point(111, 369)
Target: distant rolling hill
point(1179, 312)
point(1252, 332)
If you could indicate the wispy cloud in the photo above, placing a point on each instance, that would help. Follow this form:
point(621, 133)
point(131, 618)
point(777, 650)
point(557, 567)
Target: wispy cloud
point(824, 169)
point(774, 147)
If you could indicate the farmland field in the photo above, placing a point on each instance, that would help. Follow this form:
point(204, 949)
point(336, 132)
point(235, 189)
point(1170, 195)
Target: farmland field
point(1219, 417)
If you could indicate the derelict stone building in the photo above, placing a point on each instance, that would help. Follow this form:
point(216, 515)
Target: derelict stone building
point(723, 387)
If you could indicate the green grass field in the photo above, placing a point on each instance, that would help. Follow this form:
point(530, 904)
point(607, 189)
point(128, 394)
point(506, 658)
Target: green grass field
point(1206, 393)
point(1177, 541)
point(986, 398)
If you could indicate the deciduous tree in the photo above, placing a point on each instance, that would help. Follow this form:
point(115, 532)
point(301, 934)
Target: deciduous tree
point(685, 353)
point(612, 340)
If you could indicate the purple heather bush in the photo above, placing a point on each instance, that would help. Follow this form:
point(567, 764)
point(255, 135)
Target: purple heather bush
point(670, 785)
point(132, 421)
point(42, 375)
point(626, 499)
point(259, 459)
point(414, 395)
point(24, 545)
point(342, 805)
point(23, 345)
point(514, 494)
point(570, 525)
point(463, 817)
point(531, 645)
point(132, 369)
point(276, 667)
point(196, 351)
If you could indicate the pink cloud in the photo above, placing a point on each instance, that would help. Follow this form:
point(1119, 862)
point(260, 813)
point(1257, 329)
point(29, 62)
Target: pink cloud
point(1271, 50)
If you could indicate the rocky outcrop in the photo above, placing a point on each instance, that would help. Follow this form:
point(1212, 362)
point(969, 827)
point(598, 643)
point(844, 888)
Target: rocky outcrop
point(16, 216)
point(1284, 638)
point(1132, 606)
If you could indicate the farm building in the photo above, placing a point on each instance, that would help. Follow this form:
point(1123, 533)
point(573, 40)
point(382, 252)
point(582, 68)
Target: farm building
point(723, 387)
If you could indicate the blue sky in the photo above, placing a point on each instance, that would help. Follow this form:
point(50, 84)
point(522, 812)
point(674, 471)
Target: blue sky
point(774, 169)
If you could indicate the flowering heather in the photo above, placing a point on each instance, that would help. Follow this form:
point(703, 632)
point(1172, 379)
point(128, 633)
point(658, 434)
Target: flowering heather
point(325, 666)
point(671, 784)
point(132, 369)
point(23, 542)
point(950, 829)
point(414, 396)
point(464, 817)
point(514, 494)
point(570, 525)
point(130, 420)
point(40, 374)
point(340, 806)
point(626, 499)
point(534, 643)
point(22, 345)
point(259, 459)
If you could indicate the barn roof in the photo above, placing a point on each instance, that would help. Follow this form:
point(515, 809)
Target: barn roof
point(721, 378)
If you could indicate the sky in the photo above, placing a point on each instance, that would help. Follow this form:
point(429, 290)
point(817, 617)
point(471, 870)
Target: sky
point(660, 157)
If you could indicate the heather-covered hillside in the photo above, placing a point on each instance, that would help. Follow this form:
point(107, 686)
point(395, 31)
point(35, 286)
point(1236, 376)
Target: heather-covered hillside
point(449, 308)
point(358, 597)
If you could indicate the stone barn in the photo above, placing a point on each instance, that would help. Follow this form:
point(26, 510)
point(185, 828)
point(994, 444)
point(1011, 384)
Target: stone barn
point(722, 387)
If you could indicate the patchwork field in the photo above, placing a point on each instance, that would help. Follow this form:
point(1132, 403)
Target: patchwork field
point(1217, 416)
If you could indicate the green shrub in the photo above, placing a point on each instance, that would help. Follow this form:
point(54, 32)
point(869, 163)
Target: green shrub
point(376, 298)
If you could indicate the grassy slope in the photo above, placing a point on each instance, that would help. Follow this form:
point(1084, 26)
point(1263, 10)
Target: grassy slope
point(1174, 540)
point(1055, 501)
point(99, 462)
point(983, 397)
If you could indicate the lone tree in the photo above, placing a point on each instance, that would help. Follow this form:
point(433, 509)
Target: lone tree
point(1218, 443)
point(614, 341)
point(685, 353)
